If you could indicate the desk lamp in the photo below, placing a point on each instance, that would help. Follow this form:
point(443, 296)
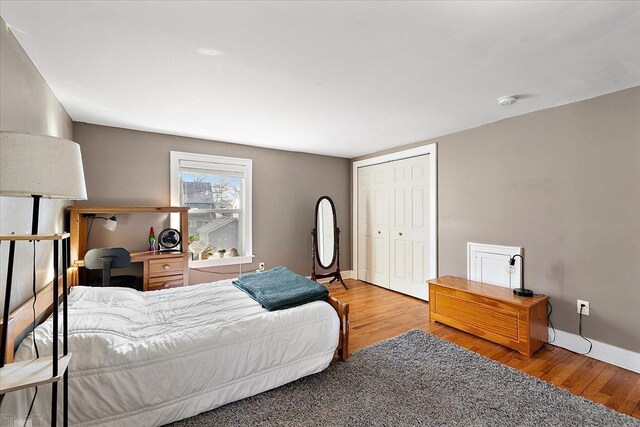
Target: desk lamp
point(521, 291)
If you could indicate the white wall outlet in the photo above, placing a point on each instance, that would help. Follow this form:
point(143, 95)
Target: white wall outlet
point(585, 309)
point(261, 266)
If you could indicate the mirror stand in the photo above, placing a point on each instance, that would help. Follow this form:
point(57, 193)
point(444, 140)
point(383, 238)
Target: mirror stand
point(334, 275)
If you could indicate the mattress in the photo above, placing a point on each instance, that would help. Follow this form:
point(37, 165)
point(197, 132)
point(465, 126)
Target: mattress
point(147, 359)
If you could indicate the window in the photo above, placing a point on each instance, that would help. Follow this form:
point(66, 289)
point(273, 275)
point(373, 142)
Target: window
point(218, 191)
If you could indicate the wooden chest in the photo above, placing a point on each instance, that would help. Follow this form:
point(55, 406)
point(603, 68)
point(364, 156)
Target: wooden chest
point(490, 312)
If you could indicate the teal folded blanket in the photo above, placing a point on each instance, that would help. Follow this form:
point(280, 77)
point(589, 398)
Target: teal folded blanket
point(280, 288)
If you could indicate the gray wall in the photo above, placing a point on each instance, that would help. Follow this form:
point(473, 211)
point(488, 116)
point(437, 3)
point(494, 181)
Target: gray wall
point(564, 183)
point(27, 104)
point(132, 168)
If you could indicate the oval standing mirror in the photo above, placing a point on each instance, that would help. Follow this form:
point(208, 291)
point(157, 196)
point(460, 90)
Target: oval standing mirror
point(326, 232)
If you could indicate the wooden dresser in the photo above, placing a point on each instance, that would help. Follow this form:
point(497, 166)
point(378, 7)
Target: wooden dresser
point(490, 312)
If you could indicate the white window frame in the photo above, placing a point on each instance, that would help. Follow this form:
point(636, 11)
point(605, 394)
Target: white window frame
point(247, 195)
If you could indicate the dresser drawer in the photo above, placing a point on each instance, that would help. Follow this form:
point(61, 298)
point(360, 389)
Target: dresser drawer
point(166, 267)
point(166, 282)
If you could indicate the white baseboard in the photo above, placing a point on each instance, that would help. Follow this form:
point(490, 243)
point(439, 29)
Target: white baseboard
point(617, 356)
point(346, 274)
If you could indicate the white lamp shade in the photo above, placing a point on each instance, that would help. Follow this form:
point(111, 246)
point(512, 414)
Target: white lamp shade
point(110, 224)
point(40, 165)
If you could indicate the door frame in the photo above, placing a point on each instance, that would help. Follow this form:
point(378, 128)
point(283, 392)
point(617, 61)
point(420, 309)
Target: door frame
point(432, 152)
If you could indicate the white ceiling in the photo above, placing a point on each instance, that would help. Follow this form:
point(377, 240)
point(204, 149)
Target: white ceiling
point(338, 78)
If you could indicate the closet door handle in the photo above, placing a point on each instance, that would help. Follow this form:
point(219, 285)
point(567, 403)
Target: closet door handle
point(378, 231)
point(400, 234)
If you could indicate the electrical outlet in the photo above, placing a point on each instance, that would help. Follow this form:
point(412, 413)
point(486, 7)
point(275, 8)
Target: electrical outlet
point(585, 309)
point(261, 266)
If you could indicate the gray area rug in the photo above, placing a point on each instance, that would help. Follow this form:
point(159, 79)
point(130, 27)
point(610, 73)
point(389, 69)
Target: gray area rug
point(414, 379)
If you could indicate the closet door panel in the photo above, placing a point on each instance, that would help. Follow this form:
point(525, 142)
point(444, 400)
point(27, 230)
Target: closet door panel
point(378, 208)
point(380, 231)
point(418, 257)
point(399, 209)
point(409, 229)
point(417, 207)
point(364, 224)
point(364, 256)
point(399, 257)
point(399, 206)
point(378, 250)
point(373, 225)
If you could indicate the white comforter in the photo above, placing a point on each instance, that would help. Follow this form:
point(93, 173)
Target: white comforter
point(147, 359)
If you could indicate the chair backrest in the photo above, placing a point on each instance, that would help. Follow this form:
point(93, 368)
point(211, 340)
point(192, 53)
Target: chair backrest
point(106, 259)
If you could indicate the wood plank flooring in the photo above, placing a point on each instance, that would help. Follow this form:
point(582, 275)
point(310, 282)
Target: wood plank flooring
point(377, 314)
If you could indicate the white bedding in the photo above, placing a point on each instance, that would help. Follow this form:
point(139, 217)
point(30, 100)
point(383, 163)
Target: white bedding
point(147, 359)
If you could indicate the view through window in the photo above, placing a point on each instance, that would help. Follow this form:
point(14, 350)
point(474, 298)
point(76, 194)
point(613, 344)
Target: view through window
point(215, 189)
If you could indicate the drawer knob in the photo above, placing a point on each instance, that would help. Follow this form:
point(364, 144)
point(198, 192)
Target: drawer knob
point(166, 285)
point(166, 266)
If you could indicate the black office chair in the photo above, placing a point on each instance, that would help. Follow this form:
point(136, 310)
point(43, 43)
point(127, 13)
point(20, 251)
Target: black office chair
point(105, 259)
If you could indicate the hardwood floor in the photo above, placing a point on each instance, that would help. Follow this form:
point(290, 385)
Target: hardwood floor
point(377, 314)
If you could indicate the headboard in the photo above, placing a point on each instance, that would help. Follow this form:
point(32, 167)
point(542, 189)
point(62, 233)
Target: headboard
point(21, 319)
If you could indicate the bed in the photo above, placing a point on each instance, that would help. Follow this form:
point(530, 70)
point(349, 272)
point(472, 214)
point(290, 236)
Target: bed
point(152, 358)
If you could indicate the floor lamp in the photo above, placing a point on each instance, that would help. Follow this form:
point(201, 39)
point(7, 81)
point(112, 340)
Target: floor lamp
point(40, 166)
point(37, 166)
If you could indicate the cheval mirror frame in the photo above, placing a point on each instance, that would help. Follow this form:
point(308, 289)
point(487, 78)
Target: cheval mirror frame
point(316, 254)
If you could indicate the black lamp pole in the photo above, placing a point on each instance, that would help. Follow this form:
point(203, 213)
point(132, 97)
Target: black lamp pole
point(7, 299)
point(7, 294)
point(521, 291)
point(35, 214)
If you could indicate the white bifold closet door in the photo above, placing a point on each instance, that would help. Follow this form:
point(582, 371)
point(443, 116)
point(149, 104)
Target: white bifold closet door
point(409, 231)
point(373, 225)
point(393, 225)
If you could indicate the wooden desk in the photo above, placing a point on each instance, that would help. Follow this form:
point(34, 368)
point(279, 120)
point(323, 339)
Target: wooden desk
point(490, 312)
point(159, 269)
